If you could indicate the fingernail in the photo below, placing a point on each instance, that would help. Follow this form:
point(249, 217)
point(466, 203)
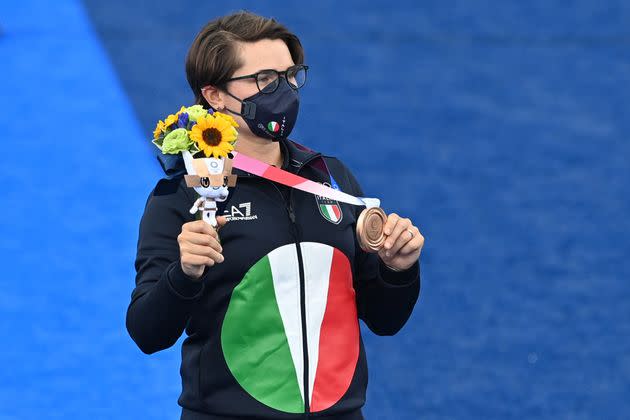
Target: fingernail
point(387, 231)
point(221, 259)
point(388, 245)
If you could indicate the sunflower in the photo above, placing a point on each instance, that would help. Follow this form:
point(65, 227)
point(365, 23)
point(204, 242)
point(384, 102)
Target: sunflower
point(214, 136)
point(159, 129)
point(226, 117)
point(170, 120)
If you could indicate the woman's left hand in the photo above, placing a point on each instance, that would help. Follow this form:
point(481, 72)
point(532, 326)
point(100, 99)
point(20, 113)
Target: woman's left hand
point(403, 243)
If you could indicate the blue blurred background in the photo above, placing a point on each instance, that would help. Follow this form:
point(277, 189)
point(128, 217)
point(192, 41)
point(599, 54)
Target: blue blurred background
point(499, 128)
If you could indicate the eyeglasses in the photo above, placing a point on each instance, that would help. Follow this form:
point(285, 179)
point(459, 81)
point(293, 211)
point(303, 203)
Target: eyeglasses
point(268, 80)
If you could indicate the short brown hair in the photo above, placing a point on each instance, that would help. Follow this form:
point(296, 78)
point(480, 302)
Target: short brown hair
point(212, 57)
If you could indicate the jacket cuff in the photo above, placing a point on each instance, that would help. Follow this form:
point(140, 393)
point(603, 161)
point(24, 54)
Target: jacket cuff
point(400, 278)
point(182, 285)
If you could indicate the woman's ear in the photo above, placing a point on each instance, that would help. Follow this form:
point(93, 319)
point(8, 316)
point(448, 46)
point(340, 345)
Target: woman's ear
point(213, 96)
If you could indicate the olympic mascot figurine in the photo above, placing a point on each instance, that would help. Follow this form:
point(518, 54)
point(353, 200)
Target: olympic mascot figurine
point(210, 177)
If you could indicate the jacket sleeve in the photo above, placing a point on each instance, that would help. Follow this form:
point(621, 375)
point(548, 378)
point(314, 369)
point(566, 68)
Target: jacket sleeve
point(164, 295)
point(385, 298)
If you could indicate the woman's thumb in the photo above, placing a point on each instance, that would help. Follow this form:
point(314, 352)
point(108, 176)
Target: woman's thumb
point(221, 220)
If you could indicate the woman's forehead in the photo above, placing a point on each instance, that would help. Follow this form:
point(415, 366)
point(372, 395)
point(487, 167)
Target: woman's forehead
point(263, 54)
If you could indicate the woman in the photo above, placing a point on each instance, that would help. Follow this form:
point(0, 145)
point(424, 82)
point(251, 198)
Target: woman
point(271, 306)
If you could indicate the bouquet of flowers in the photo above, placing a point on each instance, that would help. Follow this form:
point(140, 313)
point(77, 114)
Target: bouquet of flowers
point(195, 129)
point(205, 139)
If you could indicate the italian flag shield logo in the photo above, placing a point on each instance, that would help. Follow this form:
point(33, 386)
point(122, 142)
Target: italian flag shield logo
point(262, 336)
point(329, 209)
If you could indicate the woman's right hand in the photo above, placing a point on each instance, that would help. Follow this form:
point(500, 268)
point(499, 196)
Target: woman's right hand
point(199, 246)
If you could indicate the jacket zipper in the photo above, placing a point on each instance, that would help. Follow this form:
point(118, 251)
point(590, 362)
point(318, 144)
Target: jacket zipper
point(296, 235)
point(307, 402)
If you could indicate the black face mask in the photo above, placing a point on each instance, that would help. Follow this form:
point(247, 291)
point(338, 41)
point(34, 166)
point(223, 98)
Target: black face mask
point(270, 115)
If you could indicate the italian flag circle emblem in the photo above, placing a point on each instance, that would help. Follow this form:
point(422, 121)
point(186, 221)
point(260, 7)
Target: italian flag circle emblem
point(262, 336)
point(273, 126)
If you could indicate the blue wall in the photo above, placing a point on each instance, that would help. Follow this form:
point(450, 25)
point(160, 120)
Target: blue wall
point(500, 128)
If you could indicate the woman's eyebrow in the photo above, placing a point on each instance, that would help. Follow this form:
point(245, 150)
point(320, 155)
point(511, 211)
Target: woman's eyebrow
point(272, 68)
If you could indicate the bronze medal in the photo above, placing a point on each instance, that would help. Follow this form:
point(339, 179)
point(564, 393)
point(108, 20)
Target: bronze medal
point(370, 229)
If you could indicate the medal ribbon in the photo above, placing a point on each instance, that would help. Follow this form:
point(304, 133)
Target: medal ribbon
point(264, 170)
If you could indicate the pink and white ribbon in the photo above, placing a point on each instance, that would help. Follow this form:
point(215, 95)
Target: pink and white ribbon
point(264, 170)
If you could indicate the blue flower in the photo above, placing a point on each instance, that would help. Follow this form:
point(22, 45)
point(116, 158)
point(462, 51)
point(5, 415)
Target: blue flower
point(182, 121)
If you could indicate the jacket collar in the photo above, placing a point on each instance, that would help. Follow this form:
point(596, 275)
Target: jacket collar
point(295, 156)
